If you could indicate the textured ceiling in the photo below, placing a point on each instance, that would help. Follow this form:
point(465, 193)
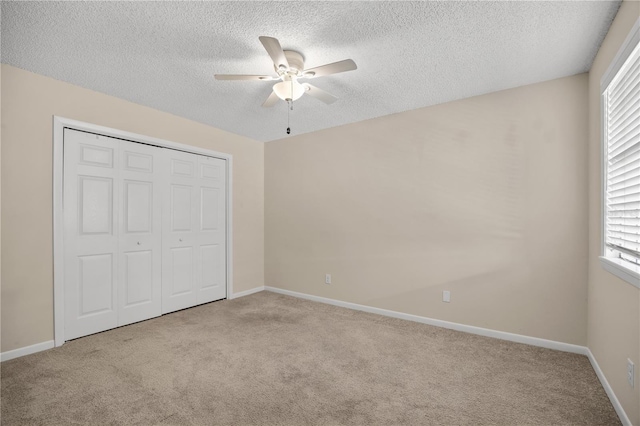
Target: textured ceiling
point(409, 54)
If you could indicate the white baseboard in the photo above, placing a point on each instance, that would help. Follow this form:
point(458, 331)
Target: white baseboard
point(503, 335)
point(27, 350)
point(246, 292)
point(607, 388)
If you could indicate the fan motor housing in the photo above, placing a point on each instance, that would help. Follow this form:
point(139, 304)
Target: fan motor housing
point(295, 59)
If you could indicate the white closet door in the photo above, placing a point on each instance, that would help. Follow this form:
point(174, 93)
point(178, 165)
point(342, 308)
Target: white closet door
point(91, 194)
point(145, 231)
point(194, 231)
point(140, 237)
point(179, 231)
point(211, 263)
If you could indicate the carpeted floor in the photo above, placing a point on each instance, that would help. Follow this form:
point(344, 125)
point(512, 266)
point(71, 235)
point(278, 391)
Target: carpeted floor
point(269, 359)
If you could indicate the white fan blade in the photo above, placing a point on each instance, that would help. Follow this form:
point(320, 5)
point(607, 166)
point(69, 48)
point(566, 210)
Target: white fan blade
point(334, 68)
point(320, 94)
point(243, 77)
point(271, 100)
point(272, 45)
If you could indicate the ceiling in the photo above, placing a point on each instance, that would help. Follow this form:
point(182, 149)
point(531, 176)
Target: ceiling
point(409, 54)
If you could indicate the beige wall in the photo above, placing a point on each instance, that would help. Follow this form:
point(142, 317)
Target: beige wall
point(28, 103)
point(614, 305)
point(485, 197)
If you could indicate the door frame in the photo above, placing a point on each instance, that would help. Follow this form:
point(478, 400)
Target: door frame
point(61, 123)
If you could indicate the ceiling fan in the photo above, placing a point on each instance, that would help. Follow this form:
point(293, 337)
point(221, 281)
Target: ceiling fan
point(289, 66)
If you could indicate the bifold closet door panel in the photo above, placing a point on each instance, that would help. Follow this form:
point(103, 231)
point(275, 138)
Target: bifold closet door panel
point(91, 198)
point(180, 219)
point(140, 237)
point(212, 262)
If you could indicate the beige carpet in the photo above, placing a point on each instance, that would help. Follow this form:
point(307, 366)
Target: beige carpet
point(268, 359)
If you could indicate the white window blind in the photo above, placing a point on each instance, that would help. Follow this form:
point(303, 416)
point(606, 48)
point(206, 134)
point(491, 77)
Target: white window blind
point(622, 132)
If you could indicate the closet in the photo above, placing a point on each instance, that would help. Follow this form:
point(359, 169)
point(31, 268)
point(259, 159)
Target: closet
point(144, 231)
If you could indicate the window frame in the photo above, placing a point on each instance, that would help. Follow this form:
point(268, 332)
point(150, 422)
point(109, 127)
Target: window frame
point(627, 271)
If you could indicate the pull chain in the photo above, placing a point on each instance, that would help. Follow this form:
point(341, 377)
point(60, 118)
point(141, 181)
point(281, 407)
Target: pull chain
point(289, 108)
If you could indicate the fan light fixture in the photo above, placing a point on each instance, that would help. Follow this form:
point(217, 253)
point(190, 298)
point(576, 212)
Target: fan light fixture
point(289, 90)
point(289, 65)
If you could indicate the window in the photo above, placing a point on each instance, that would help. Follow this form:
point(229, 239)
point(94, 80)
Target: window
point(621, 157)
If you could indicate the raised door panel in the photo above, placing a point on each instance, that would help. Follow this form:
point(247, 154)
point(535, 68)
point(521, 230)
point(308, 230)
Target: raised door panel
point(211, 267)
point(183, 167)
point(92, 155)
point(138, 206)
point(95, 205)
point(212, 172)
point(181, 270)
point(210, 203)
point(138, 161)
point(181, 207)
point(138, 277)
point(95, 284)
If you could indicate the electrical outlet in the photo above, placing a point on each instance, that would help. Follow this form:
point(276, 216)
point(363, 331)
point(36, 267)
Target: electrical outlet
point(446, 296)
point(327, 279)
point(631, 373)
